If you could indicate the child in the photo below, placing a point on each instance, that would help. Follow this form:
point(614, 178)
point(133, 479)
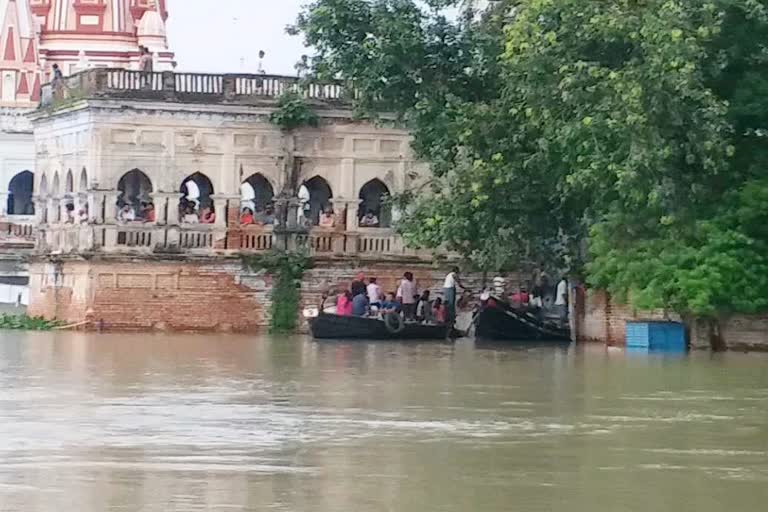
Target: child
point(439, 311)
point(344, 304)
point(390, 305)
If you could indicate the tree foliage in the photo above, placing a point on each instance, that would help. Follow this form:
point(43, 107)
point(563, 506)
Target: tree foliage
point(287, 268)
point(636, 127)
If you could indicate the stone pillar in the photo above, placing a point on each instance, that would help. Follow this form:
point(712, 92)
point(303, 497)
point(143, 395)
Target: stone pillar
point(162, 202)
point(340, 213)
point(174, 217)
point(41, 205)
point(110, 206)
point(220, 202)
point(353, 206)
point(3, 203)
point(54, 211)
point(95, 200)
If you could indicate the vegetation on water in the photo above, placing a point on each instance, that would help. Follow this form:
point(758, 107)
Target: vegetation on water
point(27, 323)
point(626, 141)
point(293, 112)
point(287, 268)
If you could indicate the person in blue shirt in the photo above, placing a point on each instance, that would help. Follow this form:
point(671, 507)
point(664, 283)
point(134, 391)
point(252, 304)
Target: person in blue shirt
point(360, 305)
point(390, 305)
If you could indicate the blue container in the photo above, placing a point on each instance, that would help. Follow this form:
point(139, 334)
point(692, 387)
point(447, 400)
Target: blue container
point(653, 335)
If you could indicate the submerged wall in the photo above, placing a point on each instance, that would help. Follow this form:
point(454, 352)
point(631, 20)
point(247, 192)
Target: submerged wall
point(186, 294)
point(602, 319)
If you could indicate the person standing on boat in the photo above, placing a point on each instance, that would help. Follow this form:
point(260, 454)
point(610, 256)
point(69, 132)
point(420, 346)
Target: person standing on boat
point(449, 293)
point(358, 285)
point(561, 300)
point(406, 294)
point(374, 293)
point(360, 305)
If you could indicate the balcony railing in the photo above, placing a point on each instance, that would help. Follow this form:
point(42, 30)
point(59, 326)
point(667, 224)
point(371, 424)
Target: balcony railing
point(138, 238)
point(238, 89)
point(17, 230)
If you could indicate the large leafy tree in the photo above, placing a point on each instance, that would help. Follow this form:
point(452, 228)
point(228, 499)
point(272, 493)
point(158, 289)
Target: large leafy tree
point(550, 123)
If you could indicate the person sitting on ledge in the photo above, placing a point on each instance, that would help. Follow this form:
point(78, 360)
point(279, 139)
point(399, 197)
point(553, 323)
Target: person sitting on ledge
point(370, 220)
point(126, 214)
point(148, 212)
point(190, 217)
point(70, 213)
point(246, 217)
point(269, 216)
point(207, 216)
point(326, 219)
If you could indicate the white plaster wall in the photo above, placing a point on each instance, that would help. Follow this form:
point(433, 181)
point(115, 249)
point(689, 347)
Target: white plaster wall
point(169, 142)
point(17, 154)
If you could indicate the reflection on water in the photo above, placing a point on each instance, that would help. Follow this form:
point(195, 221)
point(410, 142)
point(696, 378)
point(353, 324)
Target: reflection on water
point(154, 423)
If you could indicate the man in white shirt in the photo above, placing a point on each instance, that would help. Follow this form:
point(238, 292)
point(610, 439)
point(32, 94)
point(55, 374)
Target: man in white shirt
point(561, 300)
point(406, 294)
point(374, 292)
point(449, 293)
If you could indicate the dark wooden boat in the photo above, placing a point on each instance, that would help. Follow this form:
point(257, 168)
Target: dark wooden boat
point(497, 320)
point(334, 327)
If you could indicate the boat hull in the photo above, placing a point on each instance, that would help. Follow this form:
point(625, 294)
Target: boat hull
point(335, 327)
point(499, 323)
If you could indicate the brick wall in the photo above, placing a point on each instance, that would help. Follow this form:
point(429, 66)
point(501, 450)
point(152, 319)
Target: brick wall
point(152, 293)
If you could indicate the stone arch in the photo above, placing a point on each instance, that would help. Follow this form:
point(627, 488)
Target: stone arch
point(315, 194)
point(43, 186)
point(55, 185)
point(83, 185)
point(373, 198)
point(196, 191)
point(257, 193)
point(20, 191)
point(135, 188)
point(69, 184)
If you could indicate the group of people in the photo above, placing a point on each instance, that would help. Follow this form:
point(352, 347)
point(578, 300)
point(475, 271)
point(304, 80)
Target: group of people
point(539, 300)
point(368, 299)
point(143, 212)
point(191, 212)
point(261, 217)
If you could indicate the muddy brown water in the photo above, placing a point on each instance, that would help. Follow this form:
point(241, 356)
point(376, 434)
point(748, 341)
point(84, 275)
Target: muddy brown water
point(150, 423)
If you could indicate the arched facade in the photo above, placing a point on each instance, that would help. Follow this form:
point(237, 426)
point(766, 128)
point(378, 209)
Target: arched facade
point(70, 183)
point(374, 209)
point(134, 187)
point(318, 199)
point(20, 191)
point(257, 193)
point(83, 186)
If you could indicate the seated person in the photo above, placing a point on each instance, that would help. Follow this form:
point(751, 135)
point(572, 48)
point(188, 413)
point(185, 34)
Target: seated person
point(327, 219)
point(438, 311)
point(190, 217)
point(126, 214)
point(246, 217)
point(344, 304)
point(269, 216)
point(70, 213)
point(369, 220)
point(390, 305)
point(360, 305)
point(148, 212)
point(207, 216)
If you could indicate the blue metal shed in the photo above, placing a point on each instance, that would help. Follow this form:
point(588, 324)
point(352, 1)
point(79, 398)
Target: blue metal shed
point(656, 335)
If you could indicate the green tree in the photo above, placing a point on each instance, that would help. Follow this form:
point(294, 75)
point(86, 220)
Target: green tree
point(552, 123)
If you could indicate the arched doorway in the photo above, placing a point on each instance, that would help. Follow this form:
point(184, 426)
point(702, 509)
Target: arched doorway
point(315, 195)
point(135, 194)
point(20, 192)
point(374, 211)
point(70, 183)
point(83, 181)
point(196, 191)
point(257, 194)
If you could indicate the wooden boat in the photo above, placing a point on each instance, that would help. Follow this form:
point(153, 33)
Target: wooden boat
point(328, 326)
point(497, 320)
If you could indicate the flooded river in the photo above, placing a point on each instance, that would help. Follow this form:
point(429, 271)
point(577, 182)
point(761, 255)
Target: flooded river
point(184, 423)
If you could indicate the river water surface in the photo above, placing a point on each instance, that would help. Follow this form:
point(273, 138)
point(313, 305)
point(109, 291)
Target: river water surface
point(184, 423)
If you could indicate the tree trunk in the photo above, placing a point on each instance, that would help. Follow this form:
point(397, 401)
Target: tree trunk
point(716, 340)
